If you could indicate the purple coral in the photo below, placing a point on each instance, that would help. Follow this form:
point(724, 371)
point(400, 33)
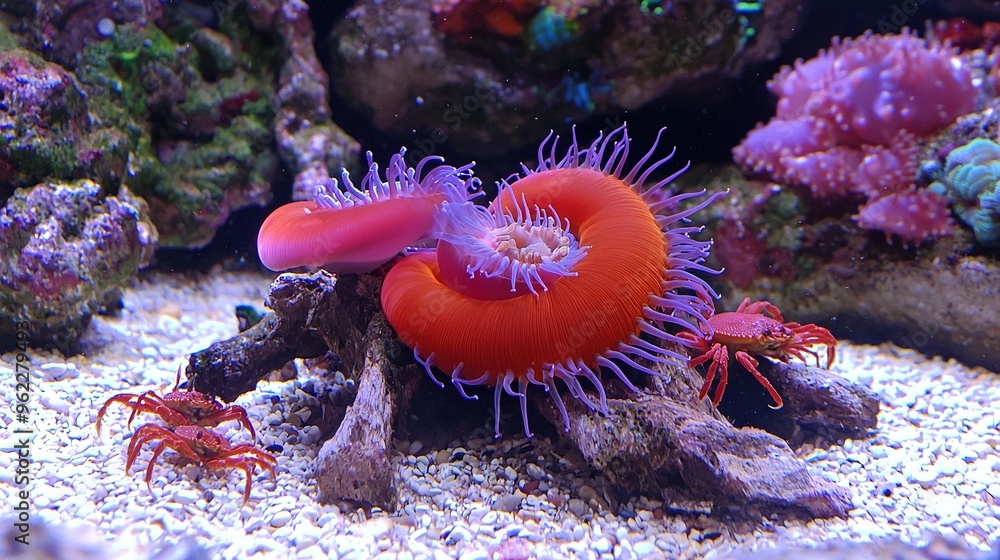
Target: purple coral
point(870, 88)
point(913, 215)
point(848, 120)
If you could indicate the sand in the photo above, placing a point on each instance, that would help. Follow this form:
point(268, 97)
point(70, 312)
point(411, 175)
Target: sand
point(931, 473)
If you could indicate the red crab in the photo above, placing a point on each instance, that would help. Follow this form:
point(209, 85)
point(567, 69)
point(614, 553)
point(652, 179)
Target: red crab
point(202, 446)
point(180, 408)
point(755, 328)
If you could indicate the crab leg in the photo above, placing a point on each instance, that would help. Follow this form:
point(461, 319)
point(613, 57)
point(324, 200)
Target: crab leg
point(719, 356)
point(248, 465)
point(233, 413)
point(156, 405)
point(751, 365)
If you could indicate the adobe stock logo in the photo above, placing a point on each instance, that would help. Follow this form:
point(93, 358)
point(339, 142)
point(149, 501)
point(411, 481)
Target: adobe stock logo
point(899, 16)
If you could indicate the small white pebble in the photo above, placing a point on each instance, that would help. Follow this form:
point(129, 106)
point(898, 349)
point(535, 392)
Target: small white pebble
point(280, 518)
point(185, 496)
point(458, 534)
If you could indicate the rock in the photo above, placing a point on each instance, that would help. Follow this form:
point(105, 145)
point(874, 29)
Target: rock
point(935, 300)
point(453, 80)
point(308, 140)
point(817, 402)
point(175, 103)
point(664, 434)
point(280, 519)
point(67, 251)
point(46, 130)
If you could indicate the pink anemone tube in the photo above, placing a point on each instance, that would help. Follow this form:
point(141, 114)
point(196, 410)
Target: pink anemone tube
point(358, 230)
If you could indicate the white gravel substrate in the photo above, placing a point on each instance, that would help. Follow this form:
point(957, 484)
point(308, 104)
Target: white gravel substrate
point(932, 468)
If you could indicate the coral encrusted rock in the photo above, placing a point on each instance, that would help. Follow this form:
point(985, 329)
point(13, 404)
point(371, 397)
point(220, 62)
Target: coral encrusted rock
point(65, 253)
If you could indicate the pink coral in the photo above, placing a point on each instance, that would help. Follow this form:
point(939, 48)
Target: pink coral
point(849, 120)
point(872, 87)
point(914, 215)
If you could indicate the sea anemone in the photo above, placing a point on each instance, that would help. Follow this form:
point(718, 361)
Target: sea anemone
point(575, 267)
point(359, 230)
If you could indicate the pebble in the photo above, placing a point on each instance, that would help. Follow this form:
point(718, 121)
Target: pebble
point(53, 402)
point(443, 456)
point(310, 435)
point(925, 478)
point(58, 371)
point(458, 534)
point(509, 503)
point(106, 27)
point(185, 496)
point(509, 473)
point(534, 471)
point(578, 507)
point(643, 548)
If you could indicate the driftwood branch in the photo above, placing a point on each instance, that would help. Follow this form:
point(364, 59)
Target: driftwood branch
point(651, 440)
point(645, 443)
point(354, 465)
point(231, 367)
point(313, 314)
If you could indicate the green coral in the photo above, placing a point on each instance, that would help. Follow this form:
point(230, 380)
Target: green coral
point(971, 177)
point(549, 29)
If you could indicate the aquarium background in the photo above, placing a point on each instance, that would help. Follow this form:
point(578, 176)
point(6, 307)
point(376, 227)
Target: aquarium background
point(217, 344)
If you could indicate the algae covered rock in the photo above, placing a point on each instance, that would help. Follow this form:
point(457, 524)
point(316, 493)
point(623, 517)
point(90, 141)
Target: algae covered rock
point(199, 117)
point(188, 106)
point(66, 252)
point(46, 129)
point(179, 113)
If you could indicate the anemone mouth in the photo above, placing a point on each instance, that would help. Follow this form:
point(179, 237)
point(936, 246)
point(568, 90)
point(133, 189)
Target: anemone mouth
point(542, 241)
point(499, 253)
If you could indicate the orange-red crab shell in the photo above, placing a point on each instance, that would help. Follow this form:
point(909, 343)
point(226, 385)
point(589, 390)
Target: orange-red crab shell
point(754, 328)
point(202, 446)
